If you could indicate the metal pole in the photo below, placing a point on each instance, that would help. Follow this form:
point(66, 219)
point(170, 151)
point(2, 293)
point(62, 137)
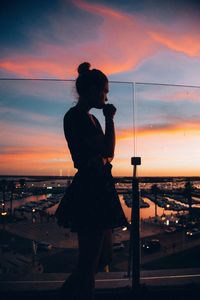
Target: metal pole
point(135, 226)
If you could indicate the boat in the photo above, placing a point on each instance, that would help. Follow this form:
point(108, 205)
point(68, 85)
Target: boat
point(128, 201)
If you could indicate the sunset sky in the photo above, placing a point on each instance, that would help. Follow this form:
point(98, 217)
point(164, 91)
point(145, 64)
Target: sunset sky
point(142, 41)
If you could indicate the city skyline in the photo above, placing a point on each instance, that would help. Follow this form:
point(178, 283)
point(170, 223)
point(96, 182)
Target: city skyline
point(154, 43)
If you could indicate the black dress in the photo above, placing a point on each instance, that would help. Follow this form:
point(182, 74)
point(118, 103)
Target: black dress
point(91, 201)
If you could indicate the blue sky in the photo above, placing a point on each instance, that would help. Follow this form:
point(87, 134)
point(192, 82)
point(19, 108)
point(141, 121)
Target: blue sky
point(140, 41)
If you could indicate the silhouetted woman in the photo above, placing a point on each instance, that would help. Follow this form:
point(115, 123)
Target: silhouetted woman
point(92, 205)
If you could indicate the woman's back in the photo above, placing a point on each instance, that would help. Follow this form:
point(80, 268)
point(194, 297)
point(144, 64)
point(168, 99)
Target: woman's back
point(84, 136)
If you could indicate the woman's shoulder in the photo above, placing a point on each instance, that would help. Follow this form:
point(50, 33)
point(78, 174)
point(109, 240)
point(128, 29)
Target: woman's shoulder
point(73, 110)
point(72, 114)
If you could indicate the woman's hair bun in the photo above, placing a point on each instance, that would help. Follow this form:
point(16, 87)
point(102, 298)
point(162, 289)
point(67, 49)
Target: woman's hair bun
point(83, 68)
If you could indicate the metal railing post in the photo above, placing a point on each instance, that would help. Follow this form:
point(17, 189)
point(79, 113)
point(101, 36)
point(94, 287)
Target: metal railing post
point(135, 227)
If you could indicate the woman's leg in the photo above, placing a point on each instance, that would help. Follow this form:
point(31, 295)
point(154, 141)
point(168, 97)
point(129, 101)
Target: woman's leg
point(81, 282)
point(106, 252)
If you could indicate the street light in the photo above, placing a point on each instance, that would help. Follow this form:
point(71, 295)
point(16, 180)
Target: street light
point(33, 217)
point(4, 215)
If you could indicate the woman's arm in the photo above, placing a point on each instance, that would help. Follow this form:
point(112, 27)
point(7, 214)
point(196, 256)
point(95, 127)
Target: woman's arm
point(109, 138)
point(104, 143)
point(109, 111)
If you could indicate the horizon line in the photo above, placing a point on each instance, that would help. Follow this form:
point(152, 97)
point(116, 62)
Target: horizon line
point(119, 176)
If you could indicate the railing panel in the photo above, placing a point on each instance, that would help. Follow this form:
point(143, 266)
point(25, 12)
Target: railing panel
point(167, 130)
point(36, 167)
point(157, 122)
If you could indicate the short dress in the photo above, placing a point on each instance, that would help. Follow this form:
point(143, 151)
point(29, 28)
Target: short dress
point(91, 201)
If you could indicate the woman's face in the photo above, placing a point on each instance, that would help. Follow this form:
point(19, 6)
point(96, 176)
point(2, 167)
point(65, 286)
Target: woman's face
point(99, 97)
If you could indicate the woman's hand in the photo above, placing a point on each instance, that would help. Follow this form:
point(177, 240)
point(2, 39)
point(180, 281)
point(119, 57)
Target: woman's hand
point(109, 111)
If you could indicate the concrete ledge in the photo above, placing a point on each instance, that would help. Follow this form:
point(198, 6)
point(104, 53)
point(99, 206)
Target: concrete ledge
point(191, 292)
point(173, 284)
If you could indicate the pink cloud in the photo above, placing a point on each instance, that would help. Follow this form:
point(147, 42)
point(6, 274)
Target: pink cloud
point(99, 10)
point(14, 134)
point(120, 36)
point(121, 42)
point(189, 94)
point(117, 46)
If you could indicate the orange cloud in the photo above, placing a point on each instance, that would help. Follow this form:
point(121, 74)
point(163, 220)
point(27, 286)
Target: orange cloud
point(185, 42)
point(154, 129)
point(29, 66)
point(172, 153)
point(22, 165)
point(34, 160)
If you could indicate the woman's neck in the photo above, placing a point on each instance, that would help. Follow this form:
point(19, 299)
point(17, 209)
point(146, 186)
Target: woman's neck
point(83, 105)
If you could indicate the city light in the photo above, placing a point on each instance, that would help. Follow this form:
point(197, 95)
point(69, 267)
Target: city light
point(4, 213)
point(124, 228)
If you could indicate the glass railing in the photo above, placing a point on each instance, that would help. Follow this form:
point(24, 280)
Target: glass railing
point(159, 123)
point(167, 130)
point(36, 167)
